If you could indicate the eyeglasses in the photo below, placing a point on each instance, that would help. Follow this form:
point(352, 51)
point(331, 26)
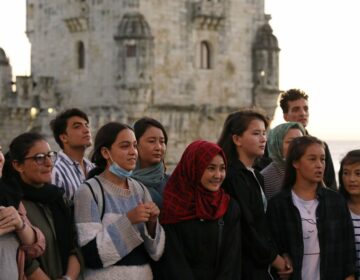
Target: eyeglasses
point(41, 158)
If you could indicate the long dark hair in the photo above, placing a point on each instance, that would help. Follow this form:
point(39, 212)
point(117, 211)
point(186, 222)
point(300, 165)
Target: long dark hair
point(105, 137)
point(236, 124)
point(18, 150)
point(351, 157)
point(141, 125)
point(297, 149)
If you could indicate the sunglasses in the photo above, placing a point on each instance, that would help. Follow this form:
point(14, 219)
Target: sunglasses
point(41, 158)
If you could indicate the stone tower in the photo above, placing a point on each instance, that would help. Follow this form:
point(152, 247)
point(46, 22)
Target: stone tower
point(187, 63)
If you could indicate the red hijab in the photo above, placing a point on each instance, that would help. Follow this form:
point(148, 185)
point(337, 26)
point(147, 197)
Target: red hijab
point(185, 198)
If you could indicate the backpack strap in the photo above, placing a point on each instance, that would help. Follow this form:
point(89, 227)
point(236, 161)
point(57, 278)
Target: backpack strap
point(100, 202)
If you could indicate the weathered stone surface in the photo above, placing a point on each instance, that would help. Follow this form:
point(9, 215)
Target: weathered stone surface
point(187, 63)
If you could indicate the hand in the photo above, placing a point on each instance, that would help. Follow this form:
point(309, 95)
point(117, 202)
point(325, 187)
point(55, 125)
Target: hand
point(6, 230)
point(285, 274)
point(9, 219)
point(154, 211)
point(139, 214)
point(279, 263)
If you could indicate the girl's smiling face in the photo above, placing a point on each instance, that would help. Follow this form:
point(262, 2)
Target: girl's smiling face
point(214, 174)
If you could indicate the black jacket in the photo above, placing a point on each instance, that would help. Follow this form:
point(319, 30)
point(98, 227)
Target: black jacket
point(191, 249)
point(335, 233)
point(258, 250)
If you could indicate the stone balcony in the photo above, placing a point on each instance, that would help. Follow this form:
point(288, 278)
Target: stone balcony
point(208, 14)
point(77, 19)
point(76, 24)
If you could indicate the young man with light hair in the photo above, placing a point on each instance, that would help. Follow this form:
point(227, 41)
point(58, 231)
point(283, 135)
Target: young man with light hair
point(71, 132)
point(295, 108)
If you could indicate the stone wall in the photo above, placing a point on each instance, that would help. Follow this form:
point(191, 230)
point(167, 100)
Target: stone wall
point(187, 63)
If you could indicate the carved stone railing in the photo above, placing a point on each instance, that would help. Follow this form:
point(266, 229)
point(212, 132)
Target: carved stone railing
point(208, 14)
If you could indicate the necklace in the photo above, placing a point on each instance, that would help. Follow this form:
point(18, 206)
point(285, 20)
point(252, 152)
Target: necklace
point(308, 206)
point(354, 207)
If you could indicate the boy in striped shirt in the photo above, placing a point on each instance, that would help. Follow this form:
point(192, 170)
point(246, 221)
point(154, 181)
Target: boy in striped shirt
point(71, 132)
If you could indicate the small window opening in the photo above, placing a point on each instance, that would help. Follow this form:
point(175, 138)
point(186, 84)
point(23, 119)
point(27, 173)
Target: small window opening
point(81, 55)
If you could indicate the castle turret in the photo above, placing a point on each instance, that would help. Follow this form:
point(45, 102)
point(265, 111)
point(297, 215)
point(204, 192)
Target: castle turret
point(5, 75)
point(135, 60)
point(266, 68)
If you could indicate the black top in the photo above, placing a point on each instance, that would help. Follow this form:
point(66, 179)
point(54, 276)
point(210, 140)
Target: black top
point(335, 233)
point(191, 249)
point(10, 195)
point(258, 250)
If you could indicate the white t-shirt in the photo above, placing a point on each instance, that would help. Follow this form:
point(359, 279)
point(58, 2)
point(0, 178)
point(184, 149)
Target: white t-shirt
point(310, 269)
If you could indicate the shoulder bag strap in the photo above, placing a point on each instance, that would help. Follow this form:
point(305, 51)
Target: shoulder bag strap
point(103, 197)
point(101, 203)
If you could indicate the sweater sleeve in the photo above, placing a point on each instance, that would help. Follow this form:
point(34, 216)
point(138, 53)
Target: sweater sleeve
point(102, 245)
point(154, 246)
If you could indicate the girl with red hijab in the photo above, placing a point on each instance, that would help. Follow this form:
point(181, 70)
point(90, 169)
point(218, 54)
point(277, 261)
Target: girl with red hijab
point(201, 222)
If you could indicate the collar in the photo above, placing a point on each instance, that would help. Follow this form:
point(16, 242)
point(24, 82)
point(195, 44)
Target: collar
point(320, 192)
point(64, 157)
point(238, 165)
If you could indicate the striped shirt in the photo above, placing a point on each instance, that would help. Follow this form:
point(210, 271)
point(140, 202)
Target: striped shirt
point(68, 174)
point(356, 222)
point(273, 178)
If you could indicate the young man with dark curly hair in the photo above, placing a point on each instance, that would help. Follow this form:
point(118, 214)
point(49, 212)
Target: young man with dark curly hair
point(295, 108)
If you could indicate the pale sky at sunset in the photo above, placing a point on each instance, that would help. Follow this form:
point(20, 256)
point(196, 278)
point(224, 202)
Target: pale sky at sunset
point(319, 41)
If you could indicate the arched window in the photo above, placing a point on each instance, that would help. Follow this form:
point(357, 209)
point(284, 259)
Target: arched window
point(205, 55)
point(80, 55)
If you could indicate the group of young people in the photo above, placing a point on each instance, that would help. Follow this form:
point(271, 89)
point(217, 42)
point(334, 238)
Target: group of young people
point(255, 205)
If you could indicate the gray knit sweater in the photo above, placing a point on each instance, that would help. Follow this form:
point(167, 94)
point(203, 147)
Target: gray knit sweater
point(114, 237)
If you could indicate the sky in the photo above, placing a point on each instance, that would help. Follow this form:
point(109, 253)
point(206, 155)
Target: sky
point(320, 43)
point(320, 54)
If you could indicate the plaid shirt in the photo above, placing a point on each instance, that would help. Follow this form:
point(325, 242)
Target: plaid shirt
point(335, 233)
